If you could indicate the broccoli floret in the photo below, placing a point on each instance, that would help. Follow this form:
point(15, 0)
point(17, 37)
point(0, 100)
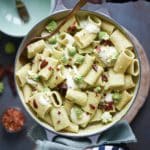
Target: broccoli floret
point(97, 89)
point(103, 35)
point(79, 59)
point(116, 96)
point(51, 26)
point(72, 51)
point(52, 40)
point(78, 79)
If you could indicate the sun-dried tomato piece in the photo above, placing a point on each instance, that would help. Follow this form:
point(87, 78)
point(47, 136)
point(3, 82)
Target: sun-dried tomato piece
point(92, 106)
point(44, 63)
point(35, 104)
point(13, 120)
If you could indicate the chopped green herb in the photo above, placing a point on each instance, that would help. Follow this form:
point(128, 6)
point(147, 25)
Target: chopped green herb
point(10, 48)
point(52, 40)
point(1, 87)
point(78, 112)
point(103, 35)
point(78, 79)
point(51, 26)
point(72, 51)
point(79, 59)
point(97, 89)
point(116, 96)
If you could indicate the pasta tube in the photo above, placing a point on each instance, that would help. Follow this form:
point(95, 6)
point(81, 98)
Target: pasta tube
point(120, 41)
point(56, 99)
point(77, 97)
point(60, 118)
point(133, 69)
point(126, 97)
point(35, 48)
point(123, 61)
point(86, 66)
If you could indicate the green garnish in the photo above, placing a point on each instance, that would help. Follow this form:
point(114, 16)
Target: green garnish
point(10, 48)
point(51, 26)
point(103, 35)
point(72, 51)
point(78, 79)
point(79, 59)
point(78, 112)
point(37, 78)
point(97, 89)
point(116, 96)
point(52, 40)
point(64, 59)
point(1, 87)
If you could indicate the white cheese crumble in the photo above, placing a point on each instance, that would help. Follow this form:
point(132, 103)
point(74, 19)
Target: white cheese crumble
point(43, 99)
point(108, 98)
point(92, 28)
point(106, 117)
point(108, 54)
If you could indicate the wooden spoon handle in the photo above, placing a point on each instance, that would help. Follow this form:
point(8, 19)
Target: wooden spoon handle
point(77, 7)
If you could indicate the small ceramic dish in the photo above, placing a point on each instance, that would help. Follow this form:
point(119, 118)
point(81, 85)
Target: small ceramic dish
point(10, 22)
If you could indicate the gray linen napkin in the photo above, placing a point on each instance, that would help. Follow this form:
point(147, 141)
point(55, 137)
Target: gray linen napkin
point(120, 133)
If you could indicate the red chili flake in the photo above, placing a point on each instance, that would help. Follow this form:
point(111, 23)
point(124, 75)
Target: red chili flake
point(59, 112)
point(95, 67)
point(44, 63)
point(104, 78)
point(56, 77)
point(13, 120)
point(92, 106)
point(58, 122)
point(98, 48)
point(35, 104)
point(104, 94)
point(50, 68)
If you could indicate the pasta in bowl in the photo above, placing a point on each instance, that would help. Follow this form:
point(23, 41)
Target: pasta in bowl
point(82, 80)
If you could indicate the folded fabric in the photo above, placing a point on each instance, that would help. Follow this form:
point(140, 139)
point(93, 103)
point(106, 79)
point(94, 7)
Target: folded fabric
point(120, 133)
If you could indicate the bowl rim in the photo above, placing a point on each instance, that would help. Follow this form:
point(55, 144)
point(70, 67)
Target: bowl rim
point(69, 134)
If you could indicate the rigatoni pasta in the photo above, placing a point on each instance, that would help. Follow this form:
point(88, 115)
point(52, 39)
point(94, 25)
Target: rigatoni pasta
point(81, 76)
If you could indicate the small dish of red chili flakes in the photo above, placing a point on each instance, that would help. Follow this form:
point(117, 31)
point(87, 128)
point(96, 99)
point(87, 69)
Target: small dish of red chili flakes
point(13, 120)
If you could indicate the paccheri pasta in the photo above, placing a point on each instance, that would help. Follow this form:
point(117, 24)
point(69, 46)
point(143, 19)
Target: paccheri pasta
point(84, 74)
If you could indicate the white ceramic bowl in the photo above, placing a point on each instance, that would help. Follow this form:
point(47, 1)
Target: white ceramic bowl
point(94, 128)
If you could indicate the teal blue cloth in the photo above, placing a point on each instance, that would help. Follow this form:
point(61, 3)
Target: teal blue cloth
point(120, 133)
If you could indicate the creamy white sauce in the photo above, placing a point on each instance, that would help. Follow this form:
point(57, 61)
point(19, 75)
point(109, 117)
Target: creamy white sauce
point(92, 28)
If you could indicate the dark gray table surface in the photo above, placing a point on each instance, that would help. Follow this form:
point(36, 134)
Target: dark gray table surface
point(136, 18)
